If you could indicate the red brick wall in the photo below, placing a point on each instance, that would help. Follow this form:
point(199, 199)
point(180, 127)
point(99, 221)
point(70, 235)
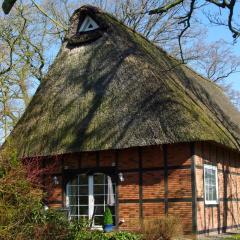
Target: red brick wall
point(226, 214)
point(157, 180)
point(179, 183)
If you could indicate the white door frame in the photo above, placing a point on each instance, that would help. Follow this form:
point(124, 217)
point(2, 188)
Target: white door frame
point(91, 202)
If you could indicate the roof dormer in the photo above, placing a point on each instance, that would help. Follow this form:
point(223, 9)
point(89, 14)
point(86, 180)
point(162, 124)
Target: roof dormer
point(86, 25)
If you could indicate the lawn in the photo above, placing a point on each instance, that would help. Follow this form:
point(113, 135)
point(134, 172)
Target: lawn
point(234, 237)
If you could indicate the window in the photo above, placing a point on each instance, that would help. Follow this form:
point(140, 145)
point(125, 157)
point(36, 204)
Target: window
point(210, 184)
point(88, 25)
point(87, 198)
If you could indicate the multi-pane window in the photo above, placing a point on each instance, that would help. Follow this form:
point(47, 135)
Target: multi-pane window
point(100, 192)
point(77, 197)
point(87, 198)
point(210, 184)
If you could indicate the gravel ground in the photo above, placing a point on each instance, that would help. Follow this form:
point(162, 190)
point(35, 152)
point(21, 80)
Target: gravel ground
point(220, 236)
point(213, 237)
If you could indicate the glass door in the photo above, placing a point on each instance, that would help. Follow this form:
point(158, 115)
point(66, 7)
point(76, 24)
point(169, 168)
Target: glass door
point(77, 199)
point(87, 198)
point(100, 191)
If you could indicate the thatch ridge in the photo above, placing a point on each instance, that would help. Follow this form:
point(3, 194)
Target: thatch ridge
point(121, 91)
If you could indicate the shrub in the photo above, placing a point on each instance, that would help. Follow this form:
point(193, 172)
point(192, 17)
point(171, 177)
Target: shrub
point(51, 224)
point(165, 228)
point(22, 215)
point(79, 229)
point(107, 218)
point(125, 236)
point(85, 234)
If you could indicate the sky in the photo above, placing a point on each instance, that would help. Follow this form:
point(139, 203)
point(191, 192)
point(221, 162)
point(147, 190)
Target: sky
point(215, 33)
point(222, 32)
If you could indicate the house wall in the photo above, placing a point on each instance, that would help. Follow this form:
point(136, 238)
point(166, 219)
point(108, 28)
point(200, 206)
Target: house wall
point(157, 181)
point(226, 214)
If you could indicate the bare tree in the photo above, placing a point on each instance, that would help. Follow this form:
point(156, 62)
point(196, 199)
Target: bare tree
point(22, 64)
point(217, 61)
point(27, 34)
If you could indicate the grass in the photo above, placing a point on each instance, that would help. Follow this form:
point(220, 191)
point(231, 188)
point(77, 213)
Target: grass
point(234, 237)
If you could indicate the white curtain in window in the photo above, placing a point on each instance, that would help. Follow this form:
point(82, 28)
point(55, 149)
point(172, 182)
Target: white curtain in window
point(110, 193)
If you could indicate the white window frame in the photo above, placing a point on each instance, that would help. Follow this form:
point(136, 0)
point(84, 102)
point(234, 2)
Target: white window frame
point(210, 167)
point(84, 26)
point(91, 202)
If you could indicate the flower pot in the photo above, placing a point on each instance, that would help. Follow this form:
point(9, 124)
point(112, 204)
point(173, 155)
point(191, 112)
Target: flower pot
point(108, 228)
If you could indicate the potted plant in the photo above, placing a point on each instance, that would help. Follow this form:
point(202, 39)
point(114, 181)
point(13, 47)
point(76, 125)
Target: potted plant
point(107, 220)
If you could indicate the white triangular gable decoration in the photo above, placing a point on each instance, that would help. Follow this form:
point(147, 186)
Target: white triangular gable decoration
point(88, 25)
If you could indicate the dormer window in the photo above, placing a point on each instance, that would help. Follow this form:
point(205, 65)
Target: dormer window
point(87, 25)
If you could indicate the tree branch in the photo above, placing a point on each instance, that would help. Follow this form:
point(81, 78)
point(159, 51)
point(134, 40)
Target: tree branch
point(165, 8)
point(46, 15)
point(230, 6)
point(186, 21)
point(12, 47)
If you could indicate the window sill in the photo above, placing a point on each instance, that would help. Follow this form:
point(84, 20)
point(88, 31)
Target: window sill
point(211, 203)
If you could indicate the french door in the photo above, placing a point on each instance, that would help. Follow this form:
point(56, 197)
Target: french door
point(86, 198)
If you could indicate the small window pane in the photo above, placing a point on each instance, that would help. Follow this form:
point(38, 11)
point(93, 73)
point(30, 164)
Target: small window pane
point(83, 200)
point(83, 219)
point(83, 210)
point(99, 199)
point(83, 190)
point(83, 179)
point(73, 190)
point(98, 220)
point(74, 181)
point(210, 194)
point(99, 189)
point(73, 200)
point(99, 210)
point(74, 210)
point(99, 179)
point(112, 208)
point(214, 195)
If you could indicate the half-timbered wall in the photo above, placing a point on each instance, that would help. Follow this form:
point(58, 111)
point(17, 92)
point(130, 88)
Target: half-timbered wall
point(226, 214)
point(157, 181)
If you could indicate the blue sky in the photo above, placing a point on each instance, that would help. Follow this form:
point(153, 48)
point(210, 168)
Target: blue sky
point(222, 32)
point(214, 33)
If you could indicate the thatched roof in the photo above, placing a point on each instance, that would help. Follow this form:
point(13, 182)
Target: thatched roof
point(112, 89)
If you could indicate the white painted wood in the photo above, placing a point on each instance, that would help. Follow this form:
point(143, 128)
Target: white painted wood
point(90, 197)
point(88, 25)
point(91, 203)
point(213, 168)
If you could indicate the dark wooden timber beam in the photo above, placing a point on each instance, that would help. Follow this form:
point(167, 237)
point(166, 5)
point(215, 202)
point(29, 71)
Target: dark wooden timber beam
point(140, 183)
point(194, 190)
point(165, 159)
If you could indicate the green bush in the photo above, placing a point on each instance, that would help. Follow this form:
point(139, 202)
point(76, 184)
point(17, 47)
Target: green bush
point(125, 236)
point(51, 224)
point(87, 234)
point(107, 218)
point(22, 215)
